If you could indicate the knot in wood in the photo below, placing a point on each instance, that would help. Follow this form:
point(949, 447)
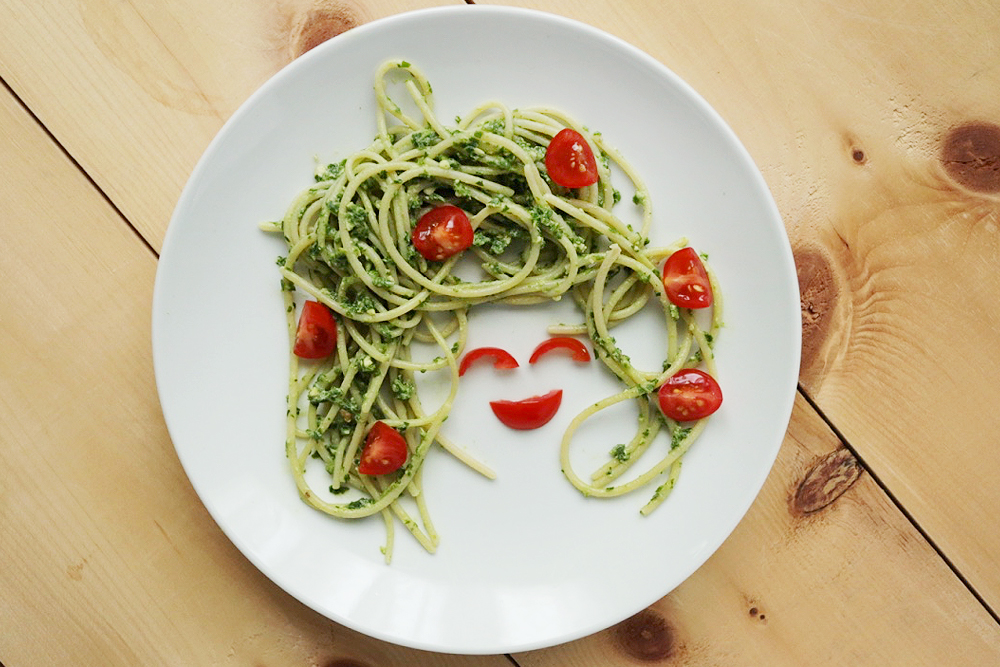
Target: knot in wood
point(344, 662)
point(971, 156)
point(826, 481)
point(818, 292)
point(320, 23)
point(646, 637)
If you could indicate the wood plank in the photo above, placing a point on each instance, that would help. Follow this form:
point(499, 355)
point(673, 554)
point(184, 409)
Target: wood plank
point(803, 103)
point(877, 127)
point(824, 570)
point(109, 558)
point(135, 91)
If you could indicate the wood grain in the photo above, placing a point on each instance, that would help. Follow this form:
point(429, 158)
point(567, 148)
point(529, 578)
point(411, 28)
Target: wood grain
point(108, 556)
point(875, 125)
point(823, 570)
point(135, 91)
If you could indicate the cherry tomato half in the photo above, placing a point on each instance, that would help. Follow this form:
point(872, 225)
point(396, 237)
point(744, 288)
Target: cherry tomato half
point(384, 450)
point(690, 394)
point(570, 161)
point(316, 334)
point(442, 232)
point(686, 280)
point(528, 413)
point(501, 358)
point(578, 351)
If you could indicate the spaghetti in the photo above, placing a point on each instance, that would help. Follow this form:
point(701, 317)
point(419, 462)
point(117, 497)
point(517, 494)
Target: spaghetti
point(349, 247)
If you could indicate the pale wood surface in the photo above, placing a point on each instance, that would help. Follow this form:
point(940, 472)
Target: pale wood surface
point(109, 558)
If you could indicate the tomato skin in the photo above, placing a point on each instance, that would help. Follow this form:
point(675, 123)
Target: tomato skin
point(570, 161)
point(502, 359)
point(384, 451)
point(686, 280)
point(528, 413)
point(577, 350)
point(689, 394)
point(316, 334)
point(442, 232)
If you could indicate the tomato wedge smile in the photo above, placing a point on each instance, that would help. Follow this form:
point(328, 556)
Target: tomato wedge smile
point(528, 413)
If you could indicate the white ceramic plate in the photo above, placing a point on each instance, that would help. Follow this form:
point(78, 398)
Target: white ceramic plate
point(525, 561)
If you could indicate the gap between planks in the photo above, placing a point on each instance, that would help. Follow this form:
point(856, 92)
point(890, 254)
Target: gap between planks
point(62, 148)
point(895, 501)
point(840, 436)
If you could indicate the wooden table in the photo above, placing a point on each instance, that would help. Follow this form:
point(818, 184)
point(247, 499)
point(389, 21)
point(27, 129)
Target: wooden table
point(874, 541)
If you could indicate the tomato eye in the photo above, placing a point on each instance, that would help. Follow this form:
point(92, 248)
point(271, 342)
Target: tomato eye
point(502, 360)
point(577, 350)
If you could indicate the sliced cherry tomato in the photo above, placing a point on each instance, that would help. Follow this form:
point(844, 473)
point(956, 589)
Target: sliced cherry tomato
point(570, 161)
point(384, 450)
point(578, 351)
point(528, 413)
point(316, 334)
point(690, 394)
point(501, 358)
point(686, 280)
point(442, 232)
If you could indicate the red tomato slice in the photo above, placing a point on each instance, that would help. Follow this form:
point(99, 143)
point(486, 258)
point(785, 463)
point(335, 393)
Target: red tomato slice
point(686, 281)
point(501, 358)
point(578, 351)
point(570, 161)
point(316, 334)
point(529, 413)
point(690, 394)
point(384, 451)
point(442, 232)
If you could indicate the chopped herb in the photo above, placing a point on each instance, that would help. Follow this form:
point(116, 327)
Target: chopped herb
point(331, 172)
point(357, 216)
point(363, 304)
point(546, 220)
point(620, 454)
point(379, 280)
point(365, 364)
point(402, 388)
point(425, 138)
point(678, 436)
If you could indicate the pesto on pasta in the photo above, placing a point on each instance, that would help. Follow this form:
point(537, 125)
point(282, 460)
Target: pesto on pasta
point(350, 248)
